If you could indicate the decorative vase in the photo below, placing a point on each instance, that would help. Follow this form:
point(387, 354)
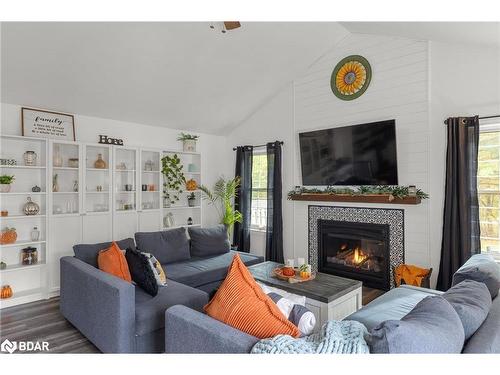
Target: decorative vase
point(6, 292)
point(100, 163)
point(57, 160)
point(148, 166)
point(189, 145)
point(191, 202)
point(30, 158)
point(36, 189)
point(35, 234)
point(75, 186)
point(190, 221)
point(168, 220)
point(31, 208)
point(4, 188)
point(4, 213)
point(55, 183)
point(3, 265)
point(8, 236)
point(29, 256)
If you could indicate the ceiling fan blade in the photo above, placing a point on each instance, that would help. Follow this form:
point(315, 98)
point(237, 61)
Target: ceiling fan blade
point(230, 25)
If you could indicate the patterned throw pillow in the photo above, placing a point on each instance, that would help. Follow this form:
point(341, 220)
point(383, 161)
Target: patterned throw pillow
point(141, 272)
point(299, 315)
point(155, 266)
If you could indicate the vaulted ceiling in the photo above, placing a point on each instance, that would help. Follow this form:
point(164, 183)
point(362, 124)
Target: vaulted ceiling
point(178, 75)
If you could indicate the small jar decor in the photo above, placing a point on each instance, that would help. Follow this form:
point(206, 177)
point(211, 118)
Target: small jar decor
point(148, 165)
point(29, 256)
point(100, 163)
point(73, 162)
point(31, 208)
point(191, 185)
point(188, 142)
point(8, 235)
point(5, 183)
point(6, 292)
point(191, 200)
point(36, 189)
point(4, 213)
point(57, 160)
point(30, 158)
point(35, 234)
point(190, 221)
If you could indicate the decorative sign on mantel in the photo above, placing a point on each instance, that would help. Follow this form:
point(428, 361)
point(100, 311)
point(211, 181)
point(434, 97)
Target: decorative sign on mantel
point(47, 124)
point(105, 140)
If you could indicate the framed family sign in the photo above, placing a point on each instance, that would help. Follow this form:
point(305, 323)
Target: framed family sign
point(47, 124)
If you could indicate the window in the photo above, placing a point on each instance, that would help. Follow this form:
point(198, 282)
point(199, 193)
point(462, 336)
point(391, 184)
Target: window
point(259, 191)
point(488, 181)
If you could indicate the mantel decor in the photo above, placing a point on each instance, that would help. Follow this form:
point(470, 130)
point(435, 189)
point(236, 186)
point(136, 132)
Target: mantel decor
point(47, 124)
point(366, 194)
point(351, 77)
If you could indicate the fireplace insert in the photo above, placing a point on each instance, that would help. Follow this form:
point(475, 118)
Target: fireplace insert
point(354, 250)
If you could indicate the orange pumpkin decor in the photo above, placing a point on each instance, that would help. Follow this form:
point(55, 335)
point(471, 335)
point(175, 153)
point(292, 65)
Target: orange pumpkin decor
point(6, 292)
point(7, 236)
point(191, 185)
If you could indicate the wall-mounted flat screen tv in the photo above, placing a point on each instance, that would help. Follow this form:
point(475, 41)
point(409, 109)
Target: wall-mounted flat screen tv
point(362, 154)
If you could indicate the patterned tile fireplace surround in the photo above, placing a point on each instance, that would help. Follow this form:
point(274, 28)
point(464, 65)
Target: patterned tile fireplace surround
point(394, 218)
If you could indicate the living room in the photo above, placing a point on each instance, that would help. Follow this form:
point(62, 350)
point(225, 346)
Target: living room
point(250, 187)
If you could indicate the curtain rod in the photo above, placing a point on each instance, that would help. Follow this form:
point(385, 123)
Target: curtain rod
point(281, 143)
point(482, 118)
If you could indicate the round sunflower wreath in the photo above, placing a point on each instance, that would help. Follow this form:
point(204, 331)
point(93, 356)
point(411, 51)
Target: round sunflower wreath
point(351, 77)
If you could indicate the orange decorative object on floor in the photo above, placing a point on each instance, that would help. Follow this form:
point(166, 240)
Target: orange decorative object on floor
point(113, 261)
point(6, 292)
point(411, 275)
point(242, 304)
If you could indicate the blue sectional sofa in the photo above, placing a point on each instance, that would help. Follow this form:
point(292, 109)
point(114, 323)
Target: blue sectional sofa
point(191, 331)
point(119, 317)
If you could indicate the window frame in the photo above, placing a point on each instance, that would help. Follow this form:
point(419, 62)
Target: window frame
point(254, 227)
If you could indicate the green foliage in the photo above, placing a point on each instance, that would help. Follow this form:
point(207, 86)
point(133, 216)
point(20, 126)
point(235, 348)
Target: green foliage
point(174, 179)
point(395, 191)
point(6, 179)
point(221, 197)
point(188, 137)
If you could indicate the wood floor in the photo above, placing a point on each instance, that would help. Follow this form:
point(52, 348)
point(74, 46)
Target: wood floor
point(42, 321)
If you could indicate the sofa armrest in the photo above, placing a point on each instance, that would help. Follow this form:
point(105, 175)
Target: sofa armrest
point(100, 305)
point(189, 331)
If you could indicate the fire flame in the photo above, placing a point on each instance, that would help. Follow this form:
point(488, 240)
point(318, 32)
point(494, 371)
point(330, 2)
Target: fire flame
point(359, 256)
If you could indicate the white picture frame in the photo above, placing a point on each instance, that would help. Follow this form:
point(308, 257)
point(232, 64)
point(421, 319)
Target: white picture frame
point(47, 124)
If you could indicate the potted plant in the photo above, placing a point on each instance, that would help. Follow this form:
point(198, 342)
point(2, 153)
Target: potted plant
point(222, 198)
point(174, 179)
point(191, 200)
point(188, 142)
point(5, 182)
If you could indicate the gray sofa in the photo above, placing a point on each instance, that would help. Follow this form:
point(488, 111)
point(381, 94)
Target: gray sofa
point(119, 317)
point(190, 331)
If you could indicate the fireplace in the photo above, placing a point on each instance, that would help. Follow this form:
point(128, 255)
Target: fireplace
point(355, 250)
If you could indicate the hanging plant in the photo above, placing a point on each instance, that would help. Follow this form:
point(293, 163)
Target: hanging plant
point(174, 179)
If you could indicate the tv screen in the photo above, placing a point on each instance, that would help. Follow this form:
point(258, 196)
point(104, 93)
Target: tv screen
point(352, 155)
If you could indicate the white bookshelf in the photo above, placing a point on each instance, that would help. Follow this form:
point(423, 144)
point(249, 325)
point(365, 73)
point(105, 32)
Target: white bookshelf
point(68, 217)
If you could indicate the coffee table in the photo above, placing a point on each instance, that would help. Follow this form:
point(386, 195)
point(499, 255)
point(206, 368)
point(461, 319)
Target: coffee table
point(328, 297)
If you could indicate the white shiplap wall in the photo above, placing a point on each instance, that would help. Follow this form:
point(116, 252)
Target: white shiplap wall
point(399, 90)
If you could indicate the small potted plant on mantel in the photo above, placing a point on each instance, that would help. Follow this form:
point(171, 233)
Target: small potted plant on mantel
point(5, 182)
point(191, 200)
point(188, 142)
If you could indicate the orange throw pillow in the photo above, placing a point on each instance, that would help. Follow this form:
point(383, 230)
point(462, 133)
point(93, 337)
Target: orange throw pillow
point(112, 260)
point(242, 304)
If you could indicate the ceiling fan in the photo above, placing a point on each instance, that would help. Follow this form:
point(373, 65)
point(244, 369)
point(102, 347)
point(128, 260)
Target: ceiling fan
point(225, 26)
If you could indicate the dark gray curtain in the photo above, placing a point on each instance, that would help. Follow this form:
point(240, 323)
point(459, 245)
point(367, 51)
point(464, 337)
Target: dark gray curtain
point(274, 231)
point(243, 200)
point(461, 213)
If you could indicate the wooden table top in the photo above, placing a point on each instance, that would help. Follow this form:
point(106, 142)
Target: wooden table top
point(324, 288)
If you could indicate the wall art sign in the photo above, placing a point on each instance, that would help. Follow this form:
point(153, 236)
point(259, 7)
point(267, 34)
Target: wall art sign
point(47, 124)
point(351, 77)
point(104, 139)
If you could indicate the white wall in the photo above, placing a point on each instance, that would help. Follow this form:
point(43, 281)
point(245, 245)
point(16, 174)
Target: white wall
point(213, 148)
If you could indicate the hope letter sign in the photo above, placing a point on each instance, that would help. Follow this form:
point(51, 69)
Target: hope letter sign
point(47, 124)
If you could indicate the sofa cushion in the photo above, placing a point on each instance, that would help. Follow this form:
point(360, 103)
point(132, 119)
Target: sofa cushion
point(433, 326)
point(167, 246)
point(150, 311)
point(472, 301)
point(487, 337)
point(392, 305)
point(112, 261)
point(241, 304)
point(208, 241)
point(88, 252)
point(200, 271)
point(482, 268)
point(141, 272)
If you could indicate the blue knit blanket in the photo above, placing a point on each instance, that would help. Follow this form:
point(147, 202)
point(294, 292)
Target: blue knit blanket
point(335, 337)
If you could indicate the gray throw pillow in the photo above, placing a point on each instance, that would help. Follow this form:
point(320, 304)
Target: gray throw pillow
point(167, 246)
point(482, 268)
point(89, 252)
point(472, 302)
point(433, 326)
point(208, 241)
